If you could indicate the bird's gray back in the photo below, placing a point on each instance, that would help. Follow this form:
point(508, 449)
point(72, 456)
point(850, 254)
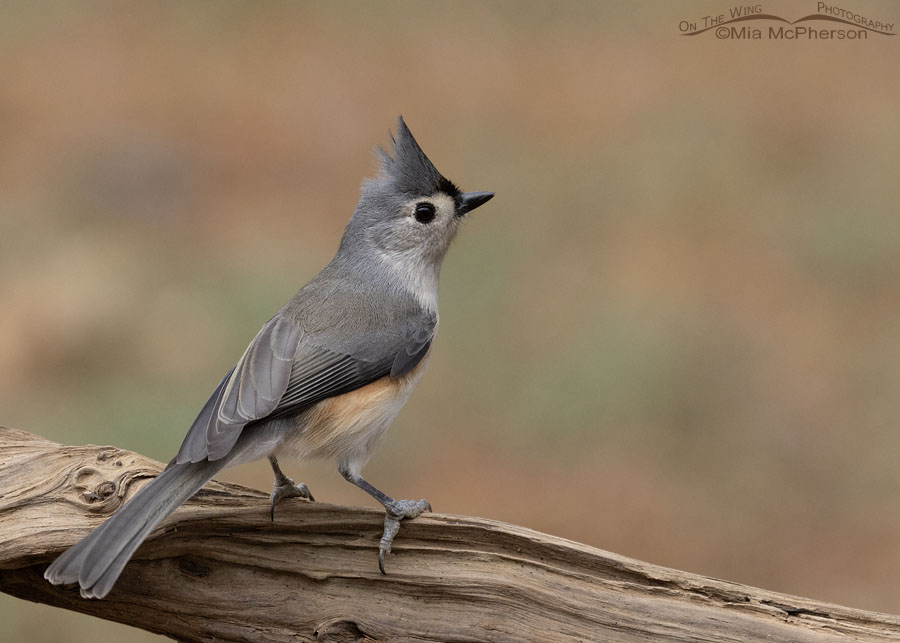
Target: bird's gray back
point(352, 313)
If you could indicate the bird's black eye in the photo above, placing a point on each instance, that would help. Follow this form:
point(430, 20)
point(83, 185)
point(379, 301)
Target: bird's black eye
point(424, 212)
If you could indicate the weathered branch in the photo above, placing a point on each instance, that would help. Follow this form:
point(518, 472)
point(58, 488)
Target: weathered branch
point(218, 569)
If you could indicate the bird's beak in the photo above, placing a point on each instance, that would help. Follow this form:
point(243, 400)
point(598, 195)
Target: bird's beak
point(471, 200)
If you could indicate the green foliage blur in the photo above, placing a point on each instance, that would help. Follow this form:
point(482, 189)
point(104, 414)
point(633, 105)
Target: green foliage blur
point(674, 333)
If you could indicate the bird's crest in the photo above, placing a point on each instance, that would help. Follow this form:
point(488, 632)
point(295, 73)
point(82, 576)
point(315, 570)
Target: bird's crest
point(409, 169)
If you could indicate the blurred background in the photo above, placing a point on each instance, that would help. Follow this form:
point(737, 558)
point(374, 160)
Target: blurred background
point(674, 334)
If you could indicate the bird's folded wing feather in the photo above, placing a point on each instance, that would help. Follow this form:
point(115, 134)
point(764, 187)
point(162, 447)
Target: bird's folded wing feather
point(285, 370)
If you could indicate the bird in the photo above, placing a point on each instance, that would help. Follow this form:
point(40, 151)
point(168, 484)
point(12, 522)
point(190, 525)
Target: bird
point(326, 376)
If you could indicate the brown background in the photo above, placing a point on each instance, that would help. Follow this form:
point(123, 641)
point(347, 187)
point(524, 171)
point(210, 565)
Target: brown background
point(673, 334)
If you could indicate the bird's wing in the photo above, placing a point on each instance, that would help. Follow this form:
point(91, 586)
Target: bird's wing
point(285, 370)
point(417, 333)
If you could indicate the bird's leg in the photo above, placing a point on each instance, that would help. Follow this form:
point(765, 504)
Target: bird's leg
point(395, 510)
point(285, 487)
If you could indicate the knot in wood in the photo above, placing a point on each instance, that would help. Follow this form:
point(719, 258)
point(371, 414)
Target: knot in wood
point(102, 491)
point(96, 490)
point(341, 630)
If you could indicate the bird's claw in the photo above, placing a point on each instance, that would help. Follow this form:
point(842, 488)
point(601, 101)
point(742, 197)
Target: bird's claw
point(396, 511)
point(287, 489)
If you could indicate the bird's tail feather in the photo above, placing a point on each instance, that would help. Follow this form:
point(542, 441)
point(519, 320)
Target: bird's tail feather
point(96, 561)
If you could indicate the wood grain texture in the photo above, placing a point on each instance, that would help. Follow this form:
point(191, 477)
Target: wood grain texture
point(219, 570)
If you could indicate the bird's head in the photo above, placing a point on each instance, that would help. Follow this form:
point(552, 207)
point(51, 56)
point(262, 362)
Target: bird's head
point(410, 212)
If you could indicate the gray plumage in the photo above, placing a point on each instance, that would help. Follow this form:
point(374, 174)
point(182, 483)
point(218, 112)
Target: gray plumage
point(370, 314)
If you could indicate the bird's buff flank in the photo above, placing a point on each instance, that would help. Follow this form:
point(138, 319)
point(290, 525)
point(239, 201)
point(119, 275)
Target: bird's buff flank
point(326, 376)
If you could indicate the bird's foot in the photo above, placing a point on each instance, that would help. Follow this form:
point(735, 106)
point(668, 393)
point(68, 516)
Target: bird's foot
point(285, 488)
point(397, 510)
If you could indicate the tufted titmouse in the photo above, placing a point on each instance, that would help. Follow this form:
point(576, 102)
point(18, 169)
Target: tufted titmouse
point(326, 376)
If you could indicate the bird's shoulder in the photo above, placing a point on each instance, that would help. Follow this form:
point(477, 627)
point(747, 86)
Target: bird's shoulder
point(359, 319)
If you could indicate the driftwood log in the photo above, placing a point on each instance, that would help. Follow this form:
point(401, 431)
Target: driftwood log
point(219, 570)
